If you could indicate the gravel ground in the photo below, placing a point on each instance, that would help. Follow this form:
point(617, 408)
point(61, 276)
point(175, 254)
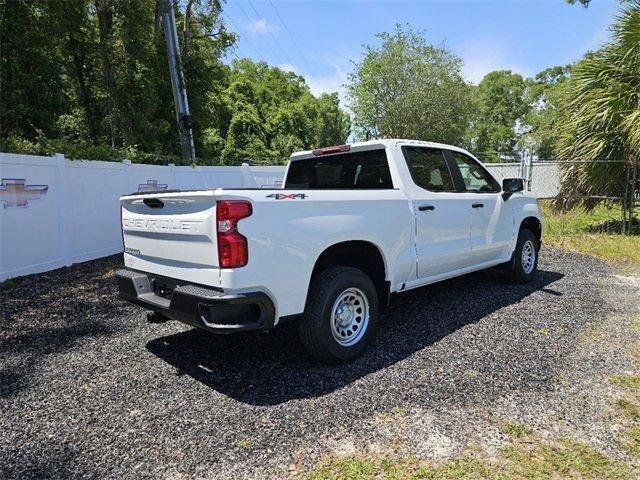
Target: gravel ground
point(88, 388)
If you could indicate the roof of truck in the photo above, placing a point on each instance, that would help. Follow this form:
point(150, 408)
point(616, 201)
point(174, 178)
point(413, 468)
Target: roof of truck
point(370, 144)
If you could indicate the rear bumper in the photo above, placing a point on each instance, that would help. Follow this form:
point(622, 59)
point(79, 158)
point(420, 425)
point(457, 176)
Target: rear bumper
point(199, 306)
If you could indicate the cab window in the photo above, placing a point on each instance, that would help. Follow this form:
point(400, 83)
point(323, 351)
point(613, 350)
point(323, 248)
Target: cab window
point(367, 169)
point(429, 169)
point(475, 178)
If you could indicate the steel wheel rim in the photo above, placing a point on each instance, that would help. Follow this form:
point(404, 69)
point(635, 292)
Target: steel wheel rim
point(528, 256)
point(350, 317)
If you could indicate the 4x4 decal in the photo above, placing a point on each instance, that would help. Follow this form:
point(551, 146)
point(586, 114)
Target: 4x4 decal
point(287, 196)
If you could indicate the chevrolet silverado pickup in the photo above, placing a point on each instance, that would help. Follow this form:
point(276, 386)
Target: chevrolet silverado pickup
point(351, 225)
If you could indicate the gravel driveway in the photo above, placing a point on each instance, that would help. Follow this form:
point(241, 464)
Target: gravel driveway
point(88, 388)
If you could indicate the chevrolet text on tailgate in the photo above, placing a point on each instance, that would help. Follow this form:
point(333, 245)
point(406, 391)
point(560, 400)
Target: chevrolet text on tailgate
point(351, 225)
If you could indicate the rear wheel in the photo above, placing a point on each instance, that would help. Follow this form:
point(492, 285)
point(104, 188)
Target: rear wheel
point(524, 262)
point(341, 315)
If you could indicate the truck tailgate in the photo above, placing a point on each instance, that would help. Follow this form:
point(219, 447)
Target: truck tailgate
point(170, 230)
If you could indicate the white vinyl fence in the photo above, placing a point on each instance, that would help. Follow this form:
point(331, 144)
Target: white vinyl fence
point(56, 212)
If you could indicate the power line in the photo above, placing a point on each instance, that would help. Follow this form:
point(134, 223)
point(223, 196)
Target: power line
point(295, 44)
point(287, 59)
point(249, 42)
point(251, 22)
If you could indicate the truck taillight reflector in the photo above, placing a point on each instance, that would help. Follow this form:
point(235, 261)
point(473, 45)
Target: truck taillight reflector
point(233, 250)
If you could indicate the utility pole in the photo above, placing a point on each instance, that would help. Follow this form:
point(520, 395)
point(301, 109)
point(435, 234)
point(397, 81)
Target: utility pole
point(185, 122)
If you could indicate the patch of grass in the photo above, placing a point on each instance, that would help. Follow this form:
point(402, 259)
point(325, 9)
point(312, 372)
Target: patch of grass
point(378, 468)
point(515, 429)
point(630, 442)
point(566, 459)
point(627, 381)
point(7, 284)
point(561, 379)
point(544, 332)
point(382, 417)
point(352, 468)
point(243, 444)
point(577, 230)
point(592, 333)
point(629, 408)
point(386, 417)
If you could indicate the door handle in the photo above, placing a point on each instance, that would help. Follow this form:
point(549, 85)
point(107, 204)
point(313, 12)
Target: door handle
point(426, 208)
point(478, 205)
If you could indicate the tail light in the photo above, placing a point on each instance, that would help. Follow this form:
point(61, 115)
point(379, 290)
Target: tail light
point(232, 246)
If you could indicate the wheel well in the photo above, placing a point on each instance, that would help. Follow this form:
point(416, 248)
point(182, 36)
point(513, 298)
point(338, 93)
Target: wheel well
point(358, 254)
point(533, 224)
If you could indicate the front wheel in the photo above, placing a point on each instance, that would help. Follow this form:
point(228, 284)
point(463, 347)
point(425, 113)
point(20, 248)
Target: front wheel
point(524, 262)
point(341, 315)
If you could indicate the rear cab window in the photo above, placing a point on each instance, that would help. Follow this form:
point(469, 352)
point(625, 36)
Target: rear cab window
point(362, 170)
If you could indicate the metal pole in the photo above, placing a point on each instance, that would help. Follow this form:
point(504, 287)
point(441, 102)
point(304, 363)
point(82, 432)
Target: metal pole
point(634, 185)
point(185, 122)
point(625, 197)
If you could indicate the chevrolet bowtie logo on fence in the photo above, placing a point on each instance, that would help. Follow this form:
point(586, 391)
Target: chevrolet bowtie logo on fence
point(14, 192)
point(151, 186)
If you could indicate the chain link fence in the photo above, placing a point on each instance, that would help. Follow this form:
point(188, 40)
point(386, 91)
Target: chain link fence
point(581, 197)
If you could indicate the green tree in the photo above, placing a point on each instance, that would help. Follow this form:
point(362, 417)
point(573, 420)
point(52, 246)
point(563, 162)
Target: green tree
point(601, 107)
point(409, 88)
point(95, 71)
point(544, 117)
point(32, 85)
point(500, 104)
point(90, 78)
point(273, 113)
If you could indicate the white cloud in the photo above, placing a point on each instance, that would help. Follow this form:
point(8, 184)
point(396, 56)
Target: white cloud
point(331, 78)
point(261, 27)
point(481, 58)
point(331, 82)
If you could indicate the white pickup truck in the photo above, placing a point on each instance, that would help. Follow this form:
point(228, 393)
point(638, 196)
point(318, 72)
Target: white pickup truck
point(351, 225)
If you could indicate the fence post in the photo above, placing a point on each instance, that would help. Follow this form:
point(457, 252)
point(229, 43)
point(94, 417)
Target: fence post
point(128, 184)
point(172, 169)
point(633, 199)
point(248, 180)
point(61, 182)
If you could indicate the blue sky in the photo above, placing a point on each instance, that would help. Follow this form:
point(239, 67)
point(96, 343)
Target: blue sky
point(319, 39)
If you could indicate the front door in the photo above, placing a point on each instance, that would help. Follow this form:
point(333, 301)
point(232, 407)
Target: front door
point(492, 230)
point(442, 217)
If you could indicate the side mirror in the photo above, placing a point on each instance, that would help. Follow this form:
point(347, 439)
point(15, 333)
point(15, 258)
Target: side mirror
point(511, 186)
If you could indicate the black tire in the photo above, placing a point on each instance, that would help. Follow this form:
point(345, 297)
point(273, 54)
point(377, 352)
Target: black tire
point(515, 269)
point(315, 325)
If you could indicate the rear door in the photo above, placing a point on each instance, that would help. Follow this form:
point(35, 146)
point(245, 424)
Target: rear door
point(491, 217)
point(442, 217)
